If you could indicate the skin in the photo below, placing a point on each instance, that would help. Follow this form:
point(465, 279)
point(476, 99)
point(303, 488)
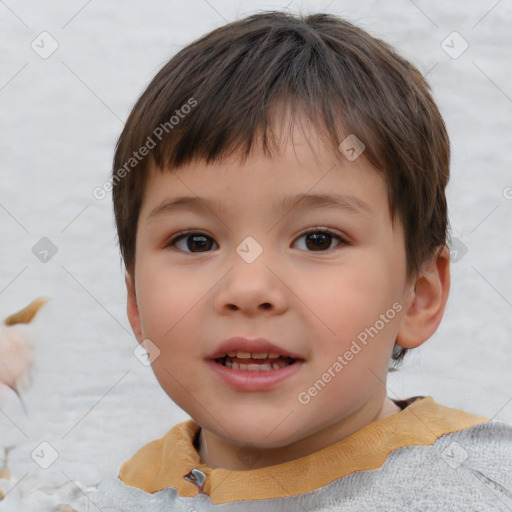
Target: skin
point(312, 302)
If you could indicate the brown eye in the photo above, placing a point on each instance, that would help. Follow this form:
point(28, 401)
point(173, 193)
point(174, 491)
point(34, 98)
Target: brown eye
point(192, 242)
point(320, 240)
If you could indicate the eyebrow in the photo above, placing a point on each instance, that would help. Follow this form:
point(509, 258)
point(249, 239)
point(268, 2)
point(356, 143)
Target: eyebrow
point(346, 202)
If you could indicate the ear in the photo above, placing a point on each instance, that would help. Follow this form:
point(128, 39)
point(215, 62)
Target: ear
point(425, 307)
point(132, 308)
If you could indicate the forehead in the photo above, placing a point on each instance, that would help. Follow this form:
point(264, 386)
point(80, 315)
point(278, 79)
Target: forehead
point(302, 172)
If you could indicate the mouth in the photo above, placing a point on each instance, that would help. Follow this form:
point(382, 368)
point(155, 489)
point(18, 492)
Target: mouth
point(255, 362)
point(255, 371)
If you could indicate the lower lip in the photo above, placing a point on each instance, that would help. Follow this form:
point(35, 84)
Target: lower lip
point(247, 380)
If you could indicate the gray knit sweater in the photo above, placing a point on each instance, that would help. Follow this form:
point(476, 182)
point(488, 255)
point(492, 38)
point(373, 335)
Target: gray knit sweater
point(470, 470)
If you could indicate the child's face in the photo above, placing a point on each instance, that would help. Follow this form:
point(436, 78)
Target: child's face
point(313, 297)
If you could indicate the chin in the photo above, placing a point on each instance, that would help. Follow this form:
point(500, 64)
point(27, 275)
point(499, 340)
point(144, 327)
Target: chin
point(251, 432)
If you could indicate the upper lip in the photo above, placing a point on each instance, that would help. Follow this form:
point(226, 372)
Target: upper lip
point(255, 345)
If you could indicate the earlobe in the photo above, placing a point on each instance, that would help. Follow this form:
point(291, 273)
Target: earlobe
point(132, 308)
point(425, 310)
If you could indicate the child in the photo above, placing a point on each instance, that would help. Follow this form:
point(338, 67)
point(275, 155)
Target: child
point(261, 142)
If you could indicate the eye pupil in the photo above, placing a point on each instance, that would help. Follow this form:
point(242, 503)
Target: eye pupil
point(322, 238)
point(200, 245)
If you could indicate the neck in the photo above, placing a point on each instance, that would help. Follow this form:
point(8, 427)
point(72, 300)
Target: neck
point(223, 454)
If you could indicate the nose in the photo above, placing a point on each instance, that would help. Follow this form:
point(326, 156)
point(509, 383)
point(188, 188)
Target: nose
point(252, 288)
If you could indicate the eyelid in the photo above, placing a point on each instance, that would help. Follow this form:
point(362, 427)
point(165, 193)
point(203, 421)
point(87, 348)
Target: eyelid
point(323, 229)
point(182, 234)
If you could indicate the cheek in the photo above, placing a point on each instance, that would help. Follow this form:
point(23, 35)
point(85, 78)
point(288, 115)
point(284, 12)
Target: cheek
point(349, 298)
point(171, 310)
point(179, 382)
point(164, 300)
point(347, 317)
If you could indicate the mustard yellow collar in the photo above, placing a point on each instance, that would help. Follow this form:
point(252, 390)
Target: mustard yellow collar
point(165, 462)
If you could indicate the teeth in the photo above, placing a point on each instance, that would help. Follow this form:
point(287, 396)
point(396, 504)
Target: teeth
point(253, 355)
point(256, 367)
point(233, 360)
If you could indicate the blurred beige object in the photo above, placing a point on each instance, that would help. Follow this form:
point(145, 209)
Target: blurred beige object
point(15, 353)
point(4, 472)
point(25, 315)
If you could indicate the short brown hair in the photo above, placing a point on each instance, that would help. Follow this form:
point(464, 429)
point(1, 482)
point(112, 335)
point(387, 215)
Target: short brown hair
point(342, 78)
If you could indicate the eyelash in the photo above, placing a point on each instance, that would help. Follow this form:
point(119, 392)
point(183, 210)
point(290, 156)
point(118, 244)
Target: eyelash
point(185, 234)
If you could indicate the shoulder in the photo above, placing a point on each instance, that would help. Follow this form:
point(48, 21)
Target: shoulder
point(484, 445)
point(468, 470)
point(471, 459)
point(453, 461)
point(112, 495)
